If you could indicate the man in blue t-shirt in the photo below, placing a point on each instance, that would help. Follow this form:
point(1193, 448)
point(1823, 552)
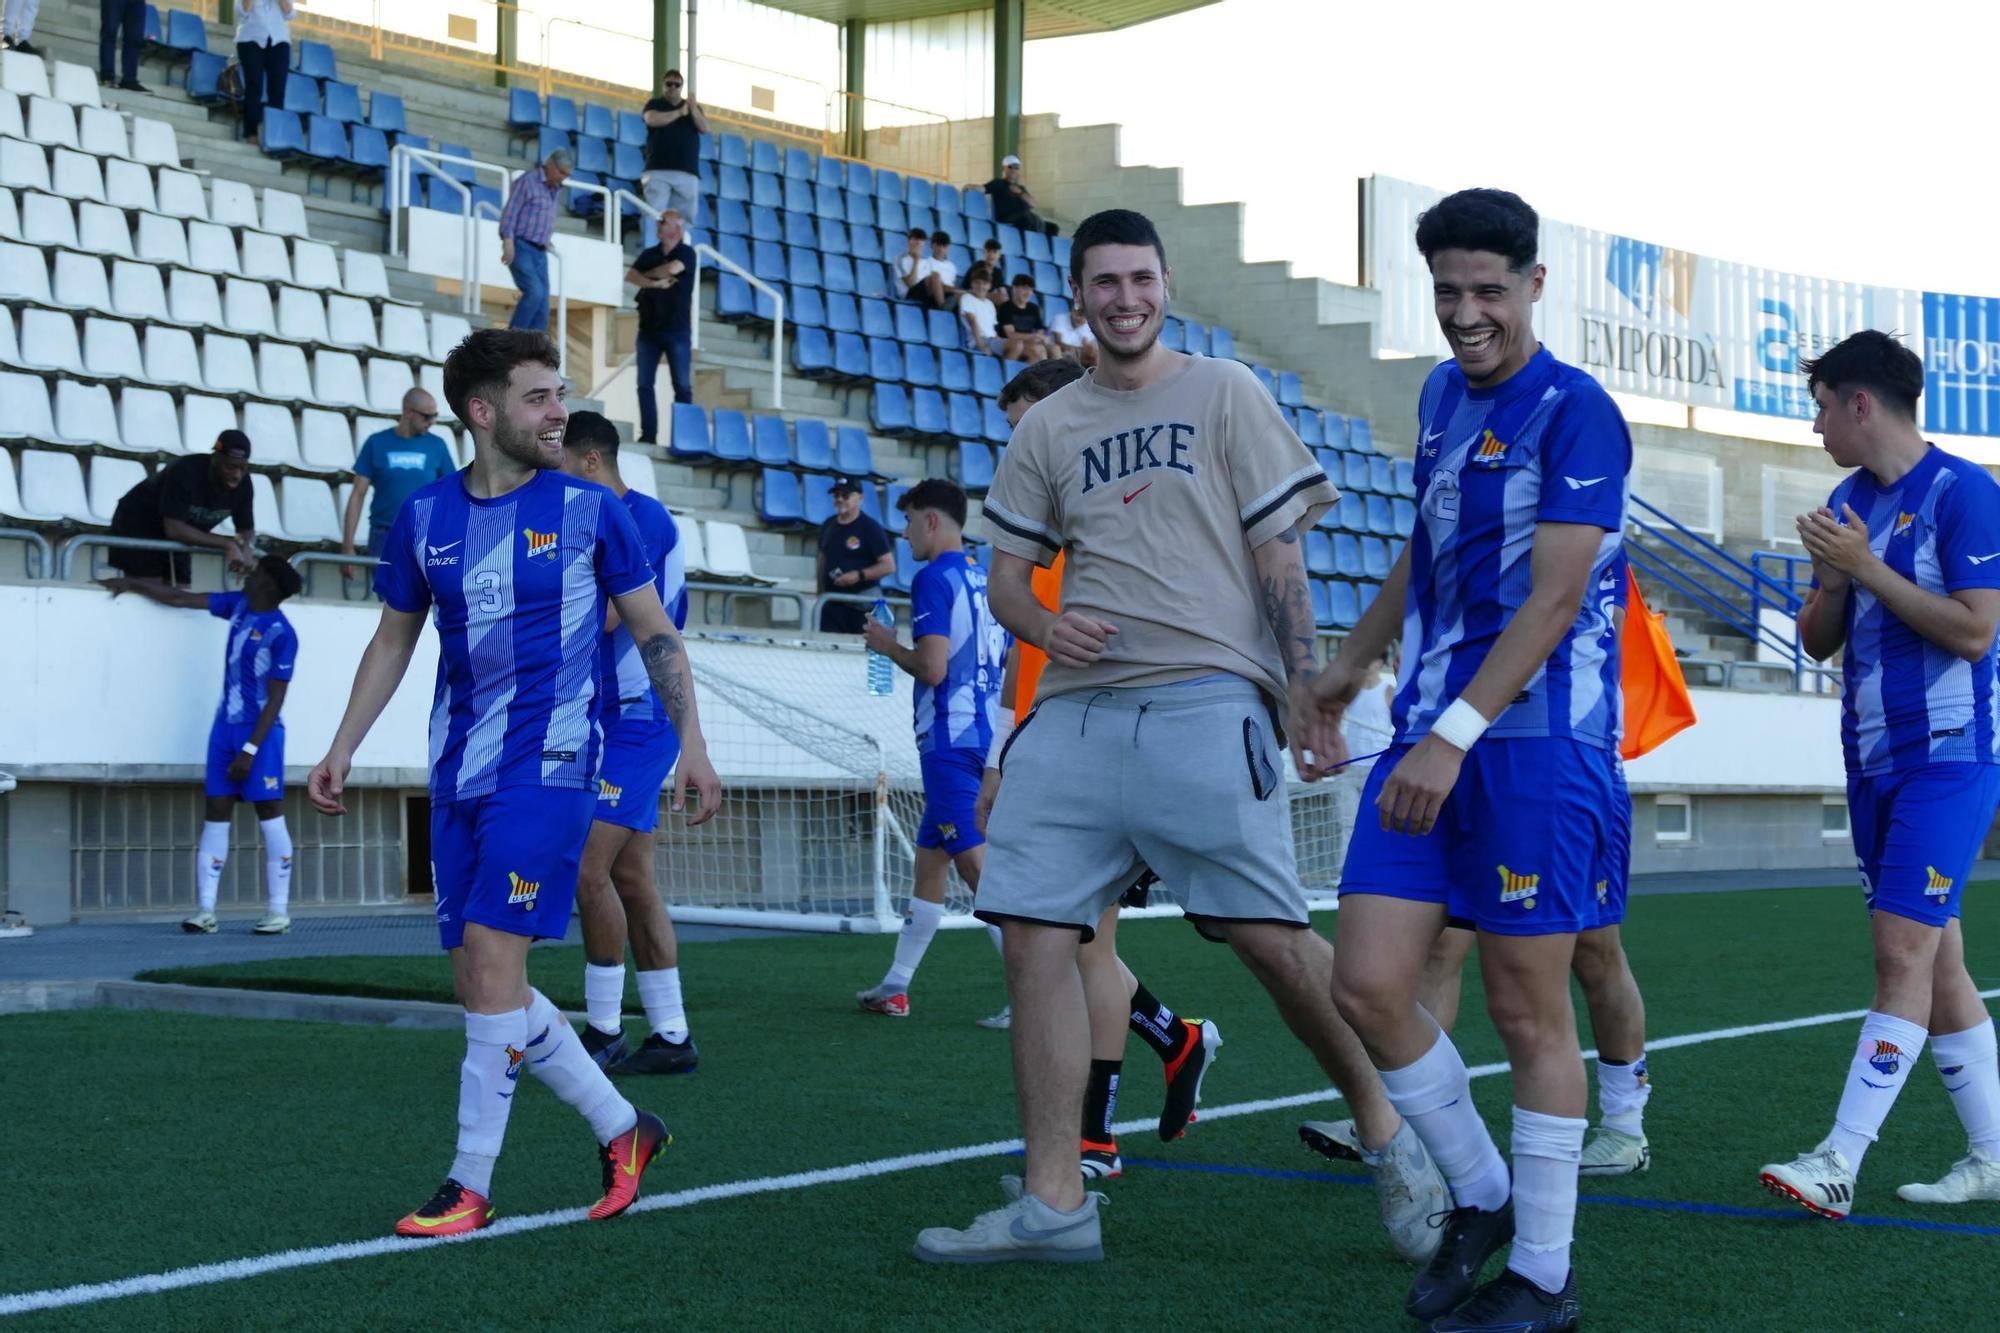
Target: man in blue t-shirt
point(246, 742)
point(1906, 586)
point(1521, 482)
point(516, 564)
point(958, 653)
point(617, 893)
point(392, 464)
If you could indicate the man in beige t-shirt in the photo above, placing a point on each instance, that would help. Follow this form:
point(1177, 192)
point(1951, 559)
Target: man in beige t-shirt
point(1176, 493)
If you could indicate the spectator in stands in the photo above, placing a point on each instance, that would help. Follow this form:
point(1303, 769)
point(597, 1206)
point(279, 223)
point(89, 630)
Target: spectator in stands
point(1013, 202)
point(264, 54)
point(20, 23)
point(992, 256)
point(975, 311)
point(116, 18)
point(664, 275)
point(530, 220)
point(183, 502)
point(945, 270)
point(913, 270)
point(1075, 336)
point(394, 462)
point(855, 554)
point(674, 126)
point(1021, 322)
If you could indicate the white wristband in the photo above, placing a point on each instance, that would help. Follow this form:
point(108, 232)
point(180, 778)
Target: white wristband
point(249, 747)
point(1003, 727)
point(1460, 725)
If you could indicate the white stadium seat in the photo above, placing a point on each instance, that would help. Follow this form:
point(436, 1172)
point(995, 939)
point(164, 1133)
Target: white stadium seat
point(202, 419)
point(52, 483)
point(181, 195)
point(103, 230)
point(51, 122)
point(388, 381)
point(692, 552)
point(301, 315)
point(24, 74)
point(307, 510)
point(365, 426)
point(79, 281)
point(264, 507)
point(78, 175)
point(129, 185)
point(110, 480)
point(728, 553)
point(192, 298)
point(101, 131)
point(264, 256)
point(10, 491)
point(638, 474)
point(227, 365)
point(281, 369)
point(84, 412)
point(76, 84)
point(136, 292)
point(23, 165)
point(324, 440)
point(9, 349)
point(315, 265)
point(432, 378)
point(337, 379)
point(154, 142)
point(365, 275)
point(111, 350)
point(22, 273)
point(47, 220)
point(10, 117)
point(350, 322)
point(447, 332)
point(246, 307)
point(212, 248)
point(231, 203)
point(284, 213)
point(171, 358)
point(10, 217)
point(403, 331)
point(274, 436)
point(24, 408)
point(48, 341)
point(147, 420)
point(163, 240)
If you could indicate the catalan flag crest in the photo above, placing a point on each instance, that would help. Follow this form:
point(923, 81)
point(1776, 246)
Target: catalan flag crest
point(539, 543)
point(1491, 449)
point(1935, 885)
point(1519, 888)
point(1903, 522)
point(521, 892)
point(607, 792)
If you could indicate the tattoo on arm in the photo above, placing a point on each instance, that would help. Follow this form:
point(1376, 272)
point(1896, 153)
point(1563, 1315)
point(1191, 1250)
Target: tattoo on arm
point(1288, 605)
point(667, 667)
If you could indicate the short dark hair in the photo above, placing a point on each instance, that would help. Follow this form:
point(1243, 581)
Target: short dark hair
point(1038, 381)
point(1871, 360)
point(1114, 226)
point(674, 73)
point(283, 574)
point(1497, 221)
point(940, 238)
point(979, 271)
point(1021, 280)
point(938, 494)
point(484, 361)
point(918, 234)
point(991, 243)
point(591, 430)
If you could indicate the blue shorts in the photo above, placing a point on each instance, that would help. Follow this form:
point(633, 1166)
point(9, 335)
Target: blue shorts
point(951, 795)
point(1614, 867)
point(266, 781)
point(1520, 844)
point(639, 757)
point(508, 860)
point(1917, 833)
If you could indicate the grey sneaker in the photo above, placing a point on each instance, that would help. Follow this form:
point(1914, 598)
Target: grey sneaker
point(999, 1022)
point(1410, 1195)
point(272, 923)
point(201, 923)
point(1025, 1231)
point(1612, 1152)
point(1335, 1140)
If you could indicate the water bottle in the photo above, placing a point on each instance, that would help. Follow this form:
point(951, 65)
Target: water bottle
point(881, 671)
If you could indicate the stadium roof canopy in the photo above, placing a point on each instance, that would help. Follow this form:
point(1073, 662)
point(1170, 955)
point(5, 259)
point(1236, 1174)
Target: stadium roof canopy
point(1045, 18)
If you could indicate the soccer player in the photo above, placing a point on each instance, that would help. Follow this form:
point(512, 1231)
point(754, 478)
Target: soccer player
point(515, 562)
point(1905, 582)
point(955, 658)
point(1117, 999)
point(617, 893)
point(246, 742)
point(1176, 495)
point(1521, 479)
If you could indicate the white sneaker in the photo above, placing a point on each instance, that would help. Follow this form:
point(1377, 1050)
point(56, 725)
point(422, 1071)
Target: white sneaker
point(201, 923)
point(999, 1022)
point(272, 923)
point(1335, 1140)
point(1410, 1195)
point(1025, 1231)
point(1612, 1152)
point(1974, 1176)
point(1820, 1181)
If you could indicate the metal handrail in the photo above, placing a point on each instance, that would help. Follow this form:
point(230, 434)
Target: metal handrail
point(66, 553)
point(44, 562)
point(1714, 549)
point(867, 599)
point(724, 261)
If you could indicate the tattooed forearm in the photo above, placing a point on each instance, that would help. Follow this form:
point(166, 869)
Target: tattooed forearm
point(673, 680)
point(1287, 602)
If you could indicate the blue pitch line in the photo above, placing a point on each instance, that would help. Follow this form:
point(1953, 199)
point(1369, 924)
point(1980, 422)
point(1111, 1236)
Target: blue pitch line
point(1614, 1200)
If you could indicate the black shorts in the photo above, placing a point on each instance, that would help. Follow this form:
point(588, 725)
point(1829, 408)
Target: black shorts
point(842, 618)
point(173, 566)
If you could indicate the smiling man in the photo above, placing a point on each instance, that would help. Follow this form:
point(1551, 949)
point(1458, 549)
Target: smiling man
point(1521, 471)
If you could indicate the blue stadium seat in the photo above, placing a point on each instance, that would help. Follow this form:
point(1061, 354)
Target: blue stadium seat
point(837, 271)
point(770, 442)
point(1355, 473)
point(888, 185)
point(885, 360)
point(185, 32)
point(764, 224)
point(524, 110)
point(1319, 554)
point(870, 279)
point(1360, 435)
point(1346, 605)
point(993, 422)
point(1381, 519)
point(841, 314)
point(1173, 334)
point(1365, 594)
point(730, 430)
point(582, 203)
point(204, 78)
point(816, 494)
point(316, 60)
point(704, 176)
point(385, 113)
point(876, 319)
point(731, 217)
point(779, 503)
point(850, 356)
point(732, 183)
point(812, 352)
point(766, 189)
point(1348, 560)
point(302, 95)
point(832, 238)
point(805, 308)
point(767, 260)
point(917, 215)
point(367, 149)
point(1035, 247)
point(632, 128)
point(944, 330)
point(954, 372)
point(593, 155)
point(927, 413)
point(548, 140)
point(910, 325)
point(962, 415)
point(764, 157)
point(860, 177)
point(1402, 516)
point(852, 453)
point(1374, 558)
point(1403, 474)
point(972, 466)
point(560, 112)
point(1336, 428)
point(343, 101)
point(798, 196)
point(1010, 238)
point(1322, 603)
point(987, 379)
point(1267, 379)
point(889, 409)
point(979, 205)
point(890, 215)
point(920, 369)
point(871, 503)
point(1290, 392)
point(598, 121)
point(711, 148)
point(813, 445)
point(893, 518)
point(1049, 282)
point(828, 203)
point(917, 192)
point(1195, 338)
point(1312, 429)
point(802, 266)
point(691, 438)
point(827, 172)
point(906, 569)
point(731, 150)
point(1381, 476)
point(1353, 513)
point(798, 164)
point(627, 160)
point(860, 211)
point(151, 25)
point(283, 136)
point(737, 302)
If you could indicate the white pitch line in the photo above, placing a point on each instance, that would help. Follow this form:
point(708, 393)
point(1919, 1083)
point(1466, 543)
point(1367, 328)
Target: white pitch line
point(237, 1270)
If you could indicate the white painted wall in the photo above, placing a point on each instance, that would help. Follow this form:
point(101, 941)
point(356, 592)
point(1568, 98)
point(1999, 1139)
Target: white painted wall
point(1745, 742)
point(593, 271)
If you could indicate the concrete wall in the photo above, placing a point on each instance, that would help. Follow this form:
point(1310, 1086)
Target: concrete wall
point(1732, 832)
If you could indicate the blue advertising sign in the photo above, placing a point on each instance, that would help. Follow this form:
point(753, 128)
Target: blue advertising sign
point(1961, 364)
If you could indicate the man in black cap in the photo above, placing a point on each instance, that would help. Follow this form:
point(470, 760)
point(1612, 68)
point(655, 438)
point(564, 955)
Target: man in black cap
point(855, 554)
point(183, 502)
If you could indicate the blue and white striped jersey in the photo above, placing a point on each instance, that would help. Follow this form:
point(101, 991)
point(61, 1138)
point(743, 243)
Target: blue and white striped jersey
point(262, 647)
point(1905, 702)
point(517, 588)
point(948, 598)
point(628, 691)
point(1548, 445)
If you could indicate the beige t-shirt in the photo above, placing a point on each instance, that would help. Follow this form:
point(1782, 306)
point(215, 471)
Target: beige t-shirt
point(1159, 496)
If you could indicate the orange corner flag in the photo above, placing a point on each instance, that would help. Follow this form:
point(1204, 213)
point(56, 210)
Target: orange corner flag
point(1657, 705)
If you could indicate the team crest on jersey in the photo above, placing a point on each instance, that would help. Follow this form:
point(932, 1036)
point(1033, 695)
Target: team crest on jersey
point(521, 892)
point(1491, 449)
point(607, 792)
point(270, 783)
point(540, 543)
point(1603, 891)
point(256, 636)
point(1903, 522)
point(1888, 1058)
point(1519, 888)
point(1936, 885)
point(515, 1055)
point(948, 832)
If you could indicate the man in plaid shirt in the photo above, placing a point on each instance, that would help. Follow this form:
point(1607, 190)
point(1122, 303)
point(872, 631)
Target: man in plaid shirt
point(526, 225)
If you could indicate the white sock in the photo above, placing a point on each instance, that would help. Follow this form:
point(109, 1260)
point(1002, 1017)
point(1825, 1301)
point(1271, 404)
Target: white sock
point(604, 996)
point(1435, 1096)
point(660, 992)
point(1622, 1091)
point(1881, 1065)
point(211, 854)
point(910, 945)
point(277, 865)
point(486, 1082)
point(556, 1057)
point(1967, 1061)
point(999, 947)
point(1546, 1151)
